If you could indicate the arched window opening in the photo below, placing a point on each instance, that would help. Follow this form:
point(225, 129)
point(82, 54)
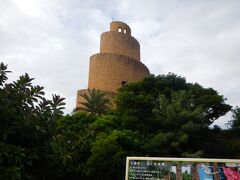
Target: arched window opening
point(125, 31)
point(119, 29)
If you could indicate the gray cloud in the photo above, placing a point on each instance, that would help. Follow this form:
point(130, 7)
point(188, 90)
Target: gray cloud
point(53, 40)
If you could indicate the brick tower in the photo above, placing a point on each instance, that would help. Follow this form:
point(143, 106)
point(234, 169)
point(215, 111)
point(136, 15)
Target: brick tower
point(117, 63)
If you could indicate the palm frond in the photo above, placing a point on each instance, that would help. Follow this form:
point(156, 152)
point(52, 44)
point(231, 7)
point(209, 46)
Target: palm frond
point(95, 102)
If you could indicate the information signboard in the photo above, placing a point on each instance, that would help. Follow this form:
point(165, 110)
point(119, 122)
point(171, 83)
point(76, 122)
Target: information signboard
point(153, 168)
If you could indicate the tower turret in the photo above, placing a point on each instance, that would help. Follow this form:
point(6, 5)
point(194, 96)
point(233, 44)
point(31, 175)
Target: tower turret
point(119, 41)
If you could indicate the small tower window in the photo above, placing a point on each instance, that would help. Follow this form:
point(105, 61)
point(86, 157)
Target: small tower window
point(125, 31)
point(124, 82)
point(119, 29)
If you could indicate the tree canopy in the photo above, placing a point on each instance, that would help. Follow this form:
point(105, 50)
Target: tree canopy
point(172, 116)
point(159, 116)
point(164, 94)
point(26, 124)
point(234, 123)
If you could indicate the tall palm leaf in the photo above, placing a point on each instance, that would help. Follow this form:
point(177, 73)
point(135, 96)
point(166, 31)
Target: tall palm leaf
point(95, 102)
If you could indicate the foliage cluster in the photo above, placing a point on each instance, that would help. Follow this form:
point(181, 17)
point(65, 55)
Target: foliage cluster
point(159, 116)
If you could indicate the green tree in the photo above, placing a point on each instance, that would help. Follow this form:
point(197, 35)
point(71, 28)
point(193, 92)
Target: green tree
point(234, 123)
point(151, 94)
point(172, 115)
point(108, 154)
point(26, 124)
point(95, 102)
point(233, 134)
point(71, 145)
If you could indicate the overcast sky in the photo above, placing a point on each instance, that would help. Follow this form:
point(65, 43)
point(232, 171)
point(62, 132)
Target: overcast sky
point(52, 40)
